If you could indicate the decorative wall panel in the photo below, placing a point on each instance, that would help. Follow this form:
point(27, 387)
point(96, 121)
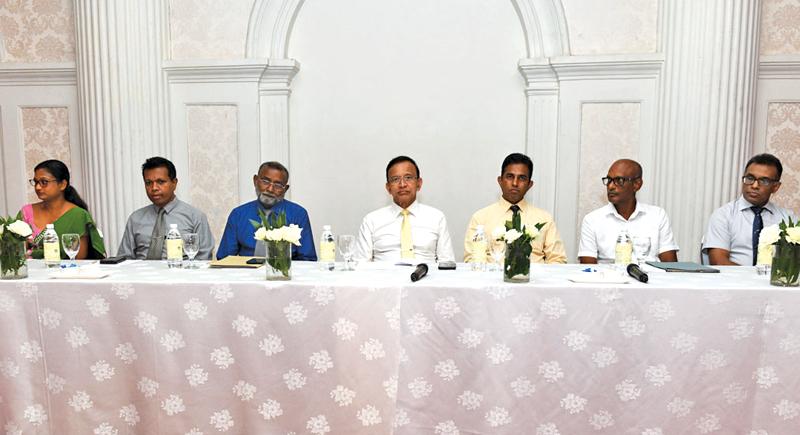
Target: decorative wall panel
point(37, 31)
point(609, 131)
point(212, 133)
point(780, 27)
point(783, 140)
point(45, 136)
point(208, 29)
point(612, 26)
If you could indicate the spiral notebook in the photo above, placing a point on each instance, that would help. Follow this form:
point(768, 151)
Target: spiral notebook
point(683, 266)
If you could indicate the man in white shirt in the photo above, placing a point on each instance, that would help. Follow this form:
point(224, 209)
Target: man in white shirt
point(406, 230)
point(601, 227)
point(734, 228)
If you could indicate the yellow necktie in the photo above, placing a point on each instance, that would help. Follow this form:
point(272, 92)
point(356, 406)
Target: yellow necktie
point(406, 243)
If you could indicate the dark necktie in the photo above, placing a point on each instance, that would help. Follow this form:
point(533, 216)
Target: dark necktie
point(157, 237)
point(758, 225)
point(514, 209)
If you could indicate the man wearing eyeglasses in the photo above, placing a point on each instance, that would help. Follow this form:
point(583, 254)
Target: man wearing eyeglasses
point(144, 233)
point(733, 229)
point(405, 231)
point(515, 181)
point(647, 224)
point(271, 184)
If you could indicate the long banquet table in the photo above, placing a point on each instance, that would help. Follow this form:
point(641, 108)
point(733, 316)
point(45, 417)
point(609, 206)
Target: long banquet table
point(149, 350)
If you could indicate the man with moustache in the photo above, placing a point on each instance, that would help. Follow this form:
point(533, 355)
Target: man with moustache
point(271, 184)
point(734, 228)
point(600, 227)
point(406, 230)
point(144, 234)
point(515, 181)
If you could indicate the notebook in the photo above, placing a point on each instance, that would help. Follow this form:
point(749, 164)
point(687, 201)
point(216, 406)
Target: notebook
point(683, 266)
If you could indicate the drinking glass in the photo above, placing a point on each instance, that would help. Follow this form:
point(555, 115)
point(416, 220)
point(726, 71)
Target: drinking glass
point(72, 244)
point(191, 245)
point(498, 254)
point(641, 248)
point(347, 243)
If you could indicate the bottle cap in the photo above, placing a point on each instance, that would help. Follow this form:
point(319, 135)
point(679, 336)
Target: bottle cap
point(175, 226)
point(478, 227)
point(49, 226)
point(326, 227)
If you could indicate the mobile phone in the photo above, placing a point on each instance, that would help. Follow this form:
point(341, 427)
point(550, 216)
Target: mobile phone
point(447, 265)
point(256, 260)
point(113, 260)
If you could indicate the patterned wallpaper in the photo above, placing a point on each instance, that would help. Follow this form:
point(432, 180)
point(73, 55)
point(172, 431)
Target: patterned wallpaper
point(208, 29)
point(780, 27)
point(45, 133)
point(609, 131)
point(36, 31)
point(612, 26)
point(213, 162)
point(783, 140)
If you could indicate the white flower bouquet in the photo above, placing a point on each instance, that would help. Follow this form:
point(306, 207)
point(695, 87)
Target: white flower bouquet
point(14, 232)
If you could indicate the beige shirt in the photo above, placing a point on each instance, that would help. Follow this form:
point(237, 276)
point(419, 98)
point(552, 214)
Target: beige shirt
point(547, 248)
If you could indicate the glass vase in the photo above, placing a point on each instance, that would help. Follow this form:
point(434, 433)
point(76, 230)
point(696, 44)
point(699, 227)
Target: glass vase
point(785, 265)
point(517, 264)
point(278, 263)
point(13, 261)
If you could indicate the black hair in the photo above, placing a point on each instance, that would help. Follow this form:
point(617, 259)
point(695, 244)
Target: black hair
point(401, 159)
point(767, 160)
point(60, 172)
point(275, 165)
point(160, 162)
point(514, 158)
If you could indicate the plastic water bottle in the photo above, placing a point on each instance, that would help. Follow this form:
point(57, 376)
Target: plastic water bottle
point(624, 248)
point(174, 247)
point(327, 249)
point(52, 250)
point(479, 249)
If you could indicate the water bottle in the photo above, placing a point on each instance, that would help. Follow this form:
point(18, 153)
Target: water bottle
point(327, 249)
point(52, 250)
point(624, 248)
point(479, 249)
point(174, 247)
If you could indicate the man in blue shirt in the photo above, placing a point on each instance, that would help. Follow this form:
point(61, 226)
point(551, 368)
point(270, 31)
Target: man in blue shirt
point(271, 183)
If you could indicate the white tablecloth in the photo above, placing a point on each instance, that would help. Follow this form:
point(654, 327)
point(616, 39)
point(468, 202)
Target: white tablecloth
point(150, 350)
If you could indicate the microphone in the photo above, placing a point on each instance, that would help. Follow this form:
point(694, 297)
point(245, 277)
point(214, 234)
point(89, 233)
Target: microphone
point(637, 273)
point(419, 272)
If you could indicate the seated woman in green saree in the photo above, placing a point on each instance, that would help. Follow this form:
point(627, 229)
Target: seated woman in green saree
point(63, 207)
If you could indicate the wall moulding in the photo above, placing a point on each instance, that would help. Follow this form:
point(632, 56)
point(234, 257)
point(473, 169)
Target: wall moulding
point(244, 70)
point(38, 74)
point(779, 67)
point(618, 66)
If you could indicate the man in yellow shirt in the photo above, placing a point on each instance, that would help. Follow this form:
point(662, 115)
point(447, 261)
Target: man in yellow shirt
point(515, 181)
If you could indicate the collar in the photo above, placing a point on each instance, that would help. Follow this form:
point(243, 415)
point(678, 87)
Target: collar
point(611, 210)
point(505, 205)
point(169, 207)
point(412, 209)
point(743, 205)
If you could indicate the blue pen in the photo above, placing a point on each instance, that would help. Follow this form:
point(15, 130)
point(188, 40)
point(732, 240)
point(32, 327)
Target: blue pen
point(589, 269)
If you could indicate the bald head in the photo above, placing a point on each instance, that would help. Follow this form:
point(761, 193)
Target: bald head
point(631, 168)
point(624, 179)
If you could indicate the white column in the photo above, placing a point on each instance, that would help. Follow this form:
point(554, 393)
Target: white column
point(705, 129)
point(122, 99)
point(541, 136)
point(274, 94)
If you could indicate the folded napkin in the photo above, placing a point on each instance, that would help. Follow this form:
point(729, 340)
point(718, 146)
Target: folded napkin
point(607, 277)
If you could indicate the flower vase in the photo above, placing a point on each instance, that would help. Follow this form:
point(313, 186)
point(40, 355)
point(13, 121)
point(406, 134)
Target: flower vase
point(13, 259)
point(785, 265)
point(279, 260)
point(517, 263)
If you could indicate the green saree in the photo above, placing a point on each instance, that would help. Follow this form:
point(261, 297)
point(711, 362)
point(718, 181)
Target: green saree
point(77, 221)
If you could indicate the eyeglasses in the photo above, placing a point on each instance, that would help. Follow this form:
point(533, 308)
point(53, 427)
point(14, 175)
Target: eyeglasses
point(763, 181)
point(41, 181)
point(266, 182)
point(396, 179)
point(618, 181)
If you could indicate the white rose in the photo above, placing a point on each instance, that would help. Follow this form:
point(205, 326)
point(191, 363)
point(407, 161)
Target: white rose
point(2, 228)
point(498, 232)
point(793, 234)
point(273, 234)
point(512, 235)
point(533, 232)
point(769, 235)
point(293, 234)
point(261, 234)
point(20, 228)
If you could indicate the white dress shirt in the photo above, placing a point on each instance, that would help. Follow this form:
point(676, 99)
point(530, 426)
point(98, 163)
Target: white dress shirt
point(379, 236)
point(601, 227)
point(731, 228)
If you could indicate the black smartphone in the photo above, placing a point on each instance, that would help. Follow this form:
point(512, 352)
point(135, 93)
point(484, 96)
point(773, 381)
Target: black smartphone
point(447, 265)
point(255, 260)
point(112, 260)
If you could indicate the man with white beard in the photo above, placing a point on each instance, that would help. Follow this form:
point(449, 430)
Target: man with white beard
point(271, 184)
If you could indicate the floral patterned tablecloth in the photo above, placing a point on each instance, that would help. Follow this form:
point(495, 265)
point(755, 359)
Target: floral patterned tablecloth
point(149, 350)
